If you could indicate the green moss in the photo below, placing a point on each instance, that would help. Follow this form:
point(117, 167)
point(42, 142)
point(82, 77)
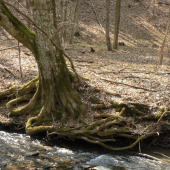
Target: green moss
point(110, 132)
point(141, 107)
point(36, 109)
point(98, 46)
point(157, 116)
point(58, 114)
point(12, 88)
point(28, 87)
point(76, 114)
point(95, 100)
point(62, 129)
point(18, 25)
point(86, 78)
point(162, 109)
point(118, 107)
point(114, 104)
point(130, 108)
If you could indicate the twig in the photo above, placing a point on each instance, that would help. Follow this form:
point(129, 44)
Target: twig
point(111, 81)
point(146, 156)
point(19, 54)
point(5, 68)
point(162, 154)
point(10, 71)
point(97, 16)
point(10, 47)
point(162, 116)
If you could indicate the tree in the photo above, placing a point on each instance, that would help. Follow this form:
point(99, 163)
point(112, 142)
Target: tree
point(160, 59)
point(117, 21)
point(29, 9)
point(52, 96)
point(54, 92)
point(109, 47)
point(74, 22)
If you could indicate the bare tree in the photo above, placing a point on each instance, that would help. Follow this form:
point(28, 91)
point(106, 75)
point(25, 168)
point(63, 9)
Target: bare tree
point(29, 9)
point(109, 46)
point(117, 21)
point(160, 60)
point(65, 20)
point(74, 21)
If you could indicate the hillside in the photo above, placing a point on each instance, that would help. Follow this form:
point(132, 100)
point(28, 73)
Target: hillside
point(142, 22)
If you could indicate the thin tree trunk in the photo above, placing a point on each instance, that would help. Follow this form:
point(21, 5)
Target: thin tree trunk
point(29, 9)
point(64, 21)
point(117, 21)
point(97, 17)
point(61, 18)
point(160, 60)
point(77, 20)
point(74, 21)
point(109, 47)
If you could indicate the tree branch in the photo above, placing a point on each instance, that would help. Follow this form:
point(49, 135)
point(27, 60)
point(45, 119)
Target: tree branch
point(15, 27)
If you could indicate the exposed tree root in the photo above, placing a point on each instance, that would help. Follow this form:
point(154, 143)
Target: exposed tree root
point(30, 129)
point(20, 91)
point(116, 149)
point(107, 128)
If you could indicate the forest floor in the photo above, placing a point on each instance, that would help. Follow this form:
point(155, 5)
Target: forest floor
point(128, 75)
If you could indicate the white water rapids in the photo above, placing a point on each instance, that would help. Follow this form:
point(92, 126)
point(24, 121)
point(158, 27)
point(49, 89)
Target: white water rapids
point(15, 148)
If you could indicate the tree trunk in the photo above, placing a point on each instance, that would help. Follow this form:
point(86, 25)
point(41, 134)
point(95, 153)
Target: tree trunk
point(109, 47)
point(160, 59)
point(75, 17)
point(29, 9)
point(55, 91)
point(64, 21)
point(117, 21)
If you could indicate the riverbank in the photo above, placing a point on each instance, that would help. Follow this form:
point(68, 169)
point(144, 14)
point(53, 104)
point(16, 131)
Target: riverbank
point(20, 151)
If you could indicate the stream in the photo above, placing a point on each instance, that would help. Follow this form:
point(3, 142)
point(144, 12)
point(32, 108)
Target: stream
point(21, 152)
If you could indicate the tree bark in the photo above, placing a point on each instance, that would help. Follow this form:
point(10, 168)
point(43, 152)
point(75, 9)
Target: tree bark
point(54, 89)
point(160, 59)
point(75, 18)
point(16, 28)
point(117, 21)
point(109, 47)
point(65, 20)
point(29, 9)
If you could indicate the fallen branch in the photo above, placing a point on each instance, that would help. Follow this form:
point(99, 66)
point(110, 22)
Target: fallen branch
point(146, 156)
point(136, 87)
point(11, 47)
point(162, 116)
point(7, 69)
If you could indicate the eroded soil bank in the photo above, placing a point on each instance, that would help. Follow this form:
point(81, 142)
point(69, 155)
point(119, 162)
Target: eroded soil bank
point(20, 151)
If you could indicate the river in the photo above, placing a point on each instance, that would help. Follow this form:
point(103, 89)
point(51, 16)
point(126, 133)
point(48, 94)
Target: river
point(21, 152)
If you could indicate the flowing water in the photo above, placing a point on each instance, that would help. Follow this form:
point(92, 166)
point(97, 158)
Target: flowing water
point(20, 151)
